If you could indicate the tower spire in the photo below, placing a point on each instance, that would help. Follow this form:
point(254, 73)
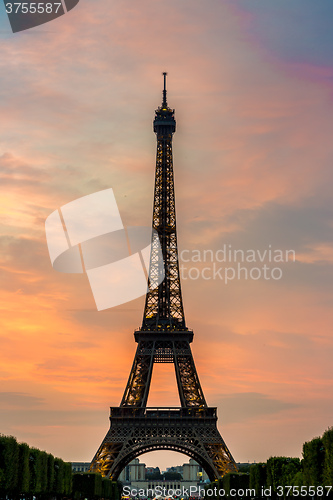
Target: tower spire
point(164, 103)
point(164, 304)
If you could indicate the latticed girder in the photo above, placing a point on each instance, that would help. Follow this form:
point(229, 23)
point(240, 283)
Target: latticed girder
point(106, 457)
point(137, 431)
point(192, 394)
point(163, 348)
point(164, 305)
point(136, 392)
point(220, 455)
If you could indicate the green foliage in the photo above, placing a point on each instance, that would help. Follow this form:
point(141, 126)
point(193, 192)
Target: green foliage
point(68, 476)
point(257, 477)
point(154, 475)
point(50, 473)
point(62, 482)
point(274, 471)
point(328, 460)
point(216, 484)
point(244, 468)
point(88, 485)
point(107, 488)
point(2, 479)
point(289, 470)
point(9, 459)
point(281, 471)
point(110, 489)
point(23, 468)
point(43, 471)
point(59, 476)
point(234, 481)
point(171, 475)
point(313, 462)
point(298, 479)
point(32, 472)
point(35, 483)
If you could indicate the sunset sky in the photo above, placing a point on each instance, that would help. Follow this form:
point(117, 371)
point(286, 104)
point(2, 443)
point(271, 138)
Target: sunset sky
point(252, 85)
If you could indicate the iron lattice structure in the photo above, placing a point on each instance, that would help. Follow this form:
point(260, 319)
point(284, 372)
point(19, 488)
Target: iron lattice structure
point(163, 338)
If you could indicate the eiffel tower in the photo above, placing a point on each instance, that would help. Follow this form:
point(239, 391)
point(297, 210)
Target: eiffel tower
point(163, 338)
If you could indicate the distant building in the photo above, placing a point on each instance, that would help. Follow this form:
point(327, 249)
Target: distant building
point(136, 476)
point(133, 472)
point(177, 468)
point(80, 466)
point(153, 470)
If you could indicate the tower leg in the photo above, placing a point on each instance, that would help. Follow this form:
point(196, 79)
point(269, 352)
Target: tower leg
point(137, 388)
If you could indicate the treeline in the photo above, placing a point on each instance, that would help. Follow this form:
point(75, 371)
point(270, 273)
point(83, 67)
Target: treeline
point(284, 477)
point(94, 486)
point(315, 470)
point(28, 472)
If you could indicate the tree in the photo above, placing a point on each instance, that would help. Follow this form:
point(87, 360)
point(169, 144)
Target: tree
point(328, 460)
point(172, 475)
point(68, 478)
point(87, 485)
point(59, 479)
point(35, 482)
point(43, 472)
point(23, 468)
point(298, 479)
point(281, 472)
point(289, 470)
point(235, 481)
point(154, 475)
point(244, 468)
point(257, 477)
point(9, 459)
point(274, 472)
point(2, 480)
point(50, 473)
point(313, 462)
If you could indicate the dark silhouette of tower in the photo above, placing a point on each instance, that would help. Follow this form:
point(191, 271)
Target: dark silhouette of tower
point(163, 338)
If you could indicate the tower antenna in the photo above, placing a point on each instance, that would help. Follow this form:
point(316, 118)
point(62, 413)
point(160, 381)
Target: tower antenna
point(164, 103)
